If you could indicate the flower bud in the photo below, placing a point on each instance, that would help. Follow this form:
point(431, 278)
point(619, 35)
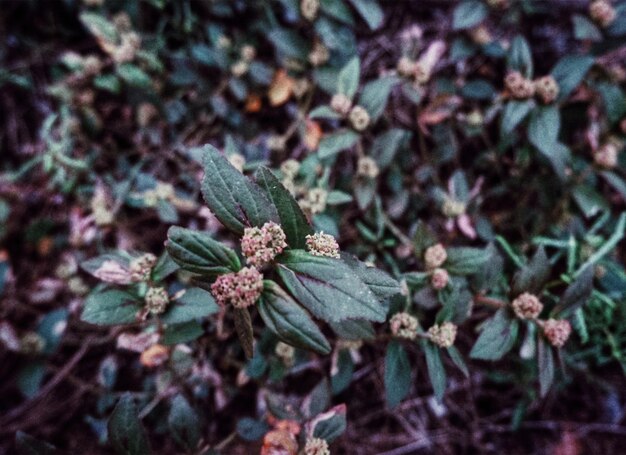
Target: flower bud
point(557, 331)
point(439, 279)
point(481, 35)
point(241, 289)
point(156, 300)
point(602, 12)
point(519, 86)
point(547, 89)
point(606, 155)
point(403, 325)
point(367, 167)
point(406, 67)
point(32, 343)
point(309, 9)
point(527, 306)
point(316, 446)
point(319, 54)
point(290, 168)
point(285, 352)
point(359, 118)
point(261, 245)
point(141, 267)
point(341, 104)
point(239, 68)
point(435, 256)
point(248, 53)
point(315, 201)
point(320, 244)
point(453, 208)
point(443, 335)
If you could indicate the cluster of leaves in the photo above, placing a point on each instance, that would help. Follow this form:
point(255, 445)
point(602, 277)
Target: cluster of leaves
point(392, 128)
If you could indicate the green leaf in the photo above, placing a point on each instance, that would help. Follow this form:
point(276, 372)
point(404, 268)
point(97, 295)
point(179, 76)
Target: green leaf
point(570, 71)
point(126, 433)
point(52, 327)
point(164, 267)
point(456, 357)
point(290, 43)
point(584, 29)
point(397, 374)
point(100, 27)
point(28, 445)
point(497, 337)
point(197, 252)
point(380, 282)
point(292, 219)
point(182, 333)
point(234, 199)
point(194, 303)
point(325, 112)
point(354, 329)
point(514, 112)
point(375, 94)
point(466, 260)
point(289, 321)
point(543, 128)
point(386, 146)
point(111, 307)
point(328, 287)
point(468, 14)
point(184, 423)
point(436, 372)
point(337, 9)
point(251, 429)
point(545, 362)
point(370, 11)
point(333, 143)
point(532, 276)
point(519, 57)
point(30, 377)
point(589, 200)
point(577, 294)
point(342, 373)
point(331, 424)
point(478, 89)
point(348, 79)
point(133, 75)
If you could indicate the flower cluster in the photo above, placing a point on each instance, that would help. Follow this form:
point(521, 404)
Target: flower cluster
point(316, 446)
point(602, 12)
point(519, 87)
point(435, 256)
point(547, 89)
point(527, 306)
point(359, 118)
point(367, 167)
point(403, 325)
point(341, 104)
point(320, 244)
point(439, 278)
point(309, 9)
point(156, 300)
point(606, 156)
point(240, 289)
point(443, 335)
point(557, 331)
point(141, 267)
point(315, 200)
point(261, 245)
